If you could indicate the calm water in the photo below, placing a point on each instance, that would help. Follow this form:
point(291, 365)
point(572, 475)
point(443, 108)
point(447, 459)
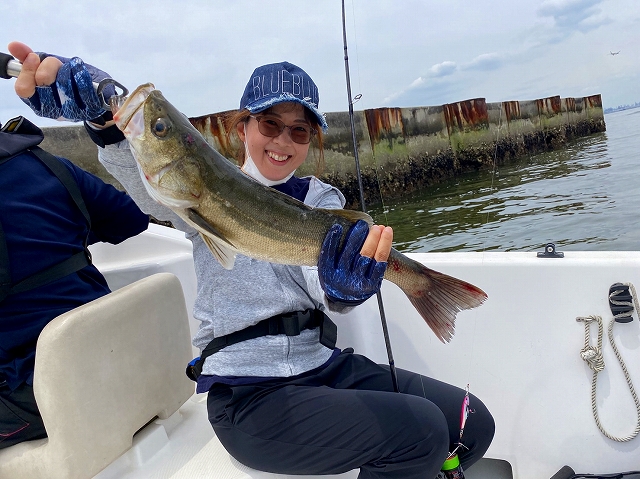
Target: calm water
point(584, 197)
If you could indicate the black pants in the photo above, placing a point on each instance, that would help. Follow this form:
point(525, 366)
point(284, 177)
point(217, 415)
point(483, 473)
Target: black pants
point(19, 416)
point(347, 417)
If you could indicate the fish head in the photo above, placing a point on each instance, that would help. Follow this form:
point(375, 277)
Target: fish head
point(164, 144)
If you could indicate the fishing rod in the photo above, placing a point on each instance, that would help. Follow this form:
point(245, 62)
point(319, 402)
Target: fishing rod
point(383, 318)
point(9, 66)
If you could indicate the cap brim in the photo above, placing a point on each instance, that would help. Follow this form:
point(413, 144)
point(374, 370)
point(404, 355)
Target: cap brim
point(261, 105)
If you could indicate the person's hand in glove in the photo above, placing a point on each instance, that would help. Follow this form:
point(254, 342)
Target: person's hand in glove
point(352, 271)
point(59, 88)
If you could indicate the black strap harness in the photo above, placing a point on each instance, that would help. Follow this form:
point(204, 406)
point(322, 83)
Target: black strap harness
point(57, 271)
point(289, 323)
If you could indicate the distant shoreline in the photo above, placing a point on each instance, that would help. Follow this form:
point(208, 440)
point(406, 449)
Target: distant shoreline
point(621, 108)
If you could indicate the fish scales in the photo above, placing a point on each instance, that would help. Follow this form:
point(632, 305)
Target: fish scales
point(235, 214)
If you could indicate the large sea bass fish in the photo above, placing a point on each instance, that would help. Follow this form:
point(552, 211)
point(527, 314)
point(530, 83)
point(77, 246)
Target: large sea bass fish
point(236, 214)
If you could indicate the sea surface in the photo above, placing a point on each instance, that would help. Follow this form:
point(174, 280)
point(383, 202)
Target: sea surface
point(583, 197)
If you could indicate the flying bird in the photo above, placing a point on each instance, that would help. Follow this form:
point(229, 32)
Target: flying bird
point(614, 53)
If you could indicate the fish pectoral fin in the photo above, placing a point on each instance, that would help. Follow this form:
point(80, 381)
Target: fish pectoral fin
point(220, 247)
point(225, 256)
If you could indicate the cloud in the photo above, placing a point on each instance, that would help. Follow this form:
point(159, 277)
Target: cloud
point(424, 92)
point(431, 84)
point(443, 69)
point(497, 49)
point(484, 62)
point(569, 16)
point(434, 75)
point(416, 84)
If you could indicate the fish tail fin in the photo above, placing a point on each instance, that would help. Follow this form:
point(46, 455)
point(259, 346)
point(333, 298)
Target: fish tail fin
point(442, 298)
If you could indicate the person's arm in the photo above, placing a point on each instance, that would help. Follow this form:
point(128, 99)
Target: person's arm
point(42, 84)
point(114, 215)
point(119, 162)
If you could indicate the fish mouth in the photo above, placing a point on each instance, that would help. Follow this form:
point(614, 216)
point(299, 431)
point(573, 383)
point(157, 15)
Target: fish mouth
point(128, 113)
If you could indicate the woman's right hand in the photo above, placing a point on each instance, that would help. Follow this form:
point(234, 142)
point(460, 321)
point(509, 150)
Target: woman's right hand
point(57, 87)
point(352, 272)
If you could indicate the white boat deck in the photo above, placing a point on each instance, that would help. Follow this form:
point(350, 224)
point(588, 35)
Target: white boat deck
point(519, 352)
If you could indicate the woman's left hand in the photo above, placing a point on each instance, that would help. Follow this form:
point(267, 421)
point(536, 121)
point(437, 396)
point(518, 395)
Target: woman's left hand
point(354, 273)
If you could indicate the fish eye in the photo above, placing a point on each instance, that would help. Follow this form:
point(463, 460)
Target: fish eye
point(161, 127)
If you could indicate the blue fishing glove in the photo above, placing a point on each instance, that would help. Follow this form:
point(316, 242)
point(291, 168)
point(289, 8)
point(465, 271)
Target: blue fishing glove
point(72, 97)
point(346, 276)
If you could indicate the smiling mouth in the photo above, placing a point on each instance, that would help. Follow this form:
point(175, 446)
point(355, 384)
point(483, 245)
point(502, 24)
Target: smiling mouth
point(278, 158)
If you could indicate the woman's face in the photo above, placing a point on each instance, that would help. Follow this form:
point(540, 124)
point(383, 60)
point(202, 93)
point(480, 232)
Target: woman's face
point(276, 157)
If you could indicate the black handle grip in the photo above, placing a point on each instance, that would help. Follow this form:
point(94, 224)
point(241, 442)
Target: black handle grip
point(564, 473)
point(5, 58)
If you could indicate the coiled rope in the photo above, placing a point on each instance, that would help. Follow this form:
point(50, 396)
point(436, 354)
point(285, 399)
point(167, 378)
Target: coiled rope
point(592, 355)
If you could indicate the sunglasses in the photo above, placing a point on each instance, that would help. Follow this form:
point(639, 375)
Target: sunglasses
point(273, 127)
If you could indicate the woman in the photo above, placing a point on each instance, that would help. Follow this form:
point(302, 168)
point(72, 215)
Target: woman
point(291, 402)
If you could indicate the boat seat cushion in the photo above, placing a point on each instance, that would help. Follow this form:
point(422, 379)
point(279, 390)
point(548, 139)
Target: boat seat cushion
point(102, 372)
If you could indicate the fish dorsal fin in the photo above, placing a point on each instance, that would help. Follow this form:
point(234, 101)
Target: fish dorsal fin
point(351, 215)
point(219, 246)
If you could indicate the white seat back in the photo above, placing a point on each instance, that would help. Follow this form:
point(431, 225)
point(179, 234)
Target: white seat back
point(103, 371)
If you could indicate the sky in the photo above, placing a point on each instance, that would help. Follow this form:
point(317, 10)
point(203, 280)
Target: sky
point(402, 53)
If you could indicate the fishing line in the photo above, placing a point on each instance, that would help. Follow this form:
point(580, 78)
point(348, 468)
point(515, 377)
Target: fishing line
point(383, 319)
point(385, 210)
point(484, 248)
point(355, 100)
point(355, 35)
point(495, 164)
point(376, 168)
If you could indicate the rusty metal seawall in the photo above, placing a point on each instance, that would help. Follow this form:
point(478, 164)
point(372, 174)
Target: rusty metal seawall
point(404, 149)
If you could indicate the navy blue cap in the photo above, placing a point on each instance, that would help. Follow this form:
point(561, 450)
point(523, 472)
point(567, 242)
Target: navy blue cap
point(278, 83)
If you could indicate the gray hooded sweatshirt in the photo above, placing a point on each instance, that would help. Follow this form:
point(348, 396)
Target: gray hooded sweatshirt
point(231, 300)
